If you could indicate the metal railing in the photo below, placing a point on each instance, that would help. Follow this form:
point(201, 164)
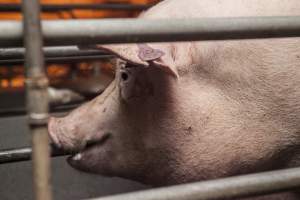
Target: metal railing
point(24, 154)
point(107, 31)
point(65, 51)
point(11, 7)
point(20, 111)
point(67, 54)
point(58, 60)
point(37, 99)
point(226, 188)
point(132, 31)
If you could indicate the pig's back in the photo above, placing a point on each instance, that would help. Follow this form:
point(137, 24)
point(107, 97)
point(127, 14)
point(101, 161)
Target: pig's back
point(223, 8)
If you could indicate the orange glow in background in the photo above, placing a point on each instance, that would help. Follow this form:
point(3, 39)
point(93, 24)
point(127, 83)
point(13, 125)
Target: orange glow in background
point(12, 77)
point(78, 14)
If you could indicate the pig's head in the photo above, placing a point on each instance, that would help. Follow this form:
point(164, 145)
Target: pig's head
point(126, 130)
point(190, 111)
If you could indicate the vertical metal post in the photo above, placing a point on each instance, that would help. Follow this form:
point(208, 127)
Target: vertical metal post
point(37, 98)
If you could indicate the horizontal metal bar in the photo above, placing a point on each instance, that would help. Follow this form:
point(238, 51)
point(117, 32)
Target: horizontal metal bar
point(233, 187)
point(24, 154)
point(21, 111)
point(67, 7)
point(84, 32)
point(67, 54)
point(18, 53)
point(59, 60)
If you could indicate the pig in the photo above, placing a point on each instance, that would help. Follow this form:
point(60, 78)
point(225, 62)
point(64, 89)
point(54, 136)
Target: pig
point(191, 111)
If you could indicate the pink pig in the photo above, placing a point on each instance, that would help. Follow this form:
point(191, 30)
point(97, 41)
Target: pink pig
point(193, 111)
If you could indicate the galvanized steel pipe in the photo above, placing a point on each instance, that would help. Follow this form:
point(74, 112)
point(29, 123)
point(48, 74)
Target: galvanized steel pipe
point(67, 54)
point(25, 154)
point(83, 32)
point(59, 60)
point(233, 187)
point(65, 51)
point(37, 98)
point(12, 112)
point(11, 7)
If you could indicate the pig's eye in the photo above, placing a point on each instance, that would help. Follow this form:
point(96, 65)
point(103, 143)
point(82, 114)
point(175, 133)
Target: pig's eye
point(124, 76)
point(126, 84)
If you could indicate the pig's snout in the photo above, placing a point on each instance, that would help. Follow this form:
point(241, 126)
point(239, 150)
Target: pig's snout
point(52, 130)
point(82, 142)
point(67, 135)
point(59, 132)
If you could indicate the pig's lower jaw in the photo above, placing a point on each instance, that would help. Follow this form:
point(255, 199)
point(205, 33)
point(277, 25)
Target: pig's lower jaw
point(82, 159)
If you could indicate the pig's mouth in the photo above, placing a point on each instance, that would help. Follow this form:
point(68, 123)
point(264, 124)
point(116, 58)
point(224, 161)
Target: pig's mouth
point(89, 146)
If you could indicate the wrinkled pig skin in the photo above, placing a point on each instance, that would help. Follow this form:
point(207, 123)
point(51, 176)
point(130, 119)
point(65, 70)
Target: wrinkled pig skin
point(204, 110)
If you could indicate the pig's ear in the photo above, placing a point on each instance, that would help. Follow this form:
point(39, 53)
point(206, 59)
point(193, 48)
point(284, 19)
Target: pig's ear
point(166, 61)
point(143, 54)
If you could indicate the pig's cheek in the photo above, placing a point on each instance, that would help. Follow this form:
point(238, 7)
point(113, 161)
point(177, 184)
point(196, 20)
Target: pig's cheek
point(126, 91)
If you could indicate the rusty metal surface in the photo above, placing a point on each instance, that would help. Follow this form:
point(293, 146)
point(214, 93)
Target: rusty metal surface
point(106, 31)
point(37, 98)
point(227, 188)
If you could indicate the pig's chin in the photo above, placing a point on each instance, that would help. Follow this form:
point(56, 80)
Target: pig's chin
point(83, 160)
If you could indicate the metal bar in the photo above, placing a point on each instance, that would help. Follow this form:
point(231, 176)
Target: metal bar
point(37, 98)
point(24, 154)
point(18, 53)
point(84, 32)
point(12, 112)
point(59, 60)
point(68, 54)
point(68, 7)
point(233, 187)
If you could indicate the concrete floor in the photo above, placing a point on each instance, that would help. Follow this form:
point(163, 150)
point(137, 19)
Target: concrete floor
point(68, 184)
